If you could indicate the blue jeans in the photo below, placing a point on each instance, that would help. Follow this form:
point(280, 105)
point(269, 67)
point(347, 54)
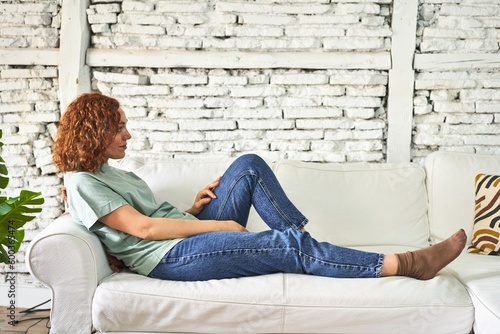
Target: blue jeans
point(217, 255)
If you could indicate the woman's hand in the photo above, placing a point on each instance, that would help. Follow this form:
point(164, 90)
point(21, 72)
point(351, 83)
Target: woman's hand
point(203, 197)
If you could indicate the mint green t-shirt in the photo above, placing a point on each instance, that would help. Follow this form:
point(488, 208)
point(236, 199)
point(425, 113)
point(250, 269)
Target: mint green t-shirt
point(94, 195)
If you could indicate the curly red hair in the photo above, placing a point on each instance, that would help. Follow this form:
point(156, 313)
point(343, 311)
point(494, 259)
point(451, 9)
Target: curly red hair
point(85, 130)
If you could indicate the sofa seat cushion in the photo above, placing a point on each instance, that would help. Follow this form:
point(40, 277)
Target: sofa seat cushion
point(282, 303)
point(480, 274)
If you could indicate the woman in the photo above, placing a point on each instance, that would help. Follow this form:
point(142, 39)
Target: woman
point(208, 240)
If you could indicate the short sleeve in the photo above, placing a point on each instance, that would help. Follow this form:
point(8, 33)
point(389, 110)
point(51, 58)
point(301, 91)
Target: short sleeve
point(90, 199)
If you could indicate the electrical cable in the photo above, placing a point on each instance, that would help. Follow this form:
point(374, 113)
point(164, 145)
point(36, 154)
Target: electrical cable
point(40, 319)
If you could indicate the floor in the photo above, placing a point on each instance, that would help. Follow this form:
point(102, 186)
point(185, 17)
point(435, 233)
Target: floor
point(24, 325)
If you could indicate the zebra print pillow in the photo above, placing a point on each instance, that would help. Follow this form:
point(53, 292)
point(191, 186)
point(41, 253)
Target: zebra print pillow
point(486, 231)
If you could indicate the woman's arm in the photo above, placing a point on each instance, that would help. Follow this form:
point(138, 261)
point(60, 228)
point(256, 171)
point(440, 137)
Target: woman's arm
point(129, 220)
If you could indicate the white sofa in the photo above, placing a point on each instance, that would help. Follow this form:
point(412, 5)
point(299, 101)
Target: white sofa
point(377, 207)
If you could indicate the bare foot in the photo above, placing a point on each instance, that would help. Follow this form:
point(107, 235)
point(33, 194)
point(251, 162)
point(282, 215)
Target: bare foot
point(425, 263)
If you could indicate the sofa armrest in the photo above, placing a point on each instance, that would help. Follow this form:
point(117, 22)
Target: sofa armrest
point(71, 261)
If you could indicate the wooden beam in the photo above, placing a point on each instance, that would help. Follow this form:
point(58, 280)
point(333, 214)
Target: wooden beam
point(47, 57)
point(243, 60)
point(401, 81)
point(464, 61)
point(74, 74)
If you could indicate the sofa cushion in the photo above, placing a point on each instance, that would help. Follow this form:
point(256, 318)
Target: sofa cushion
point(486, 231)
point(450, 187)
point(480, 275)
point(174, 180)
point(359, 204)
point(282, 303)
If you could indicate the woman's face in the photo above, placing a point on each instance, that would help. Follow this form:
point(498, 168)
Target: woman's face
point(116, 150)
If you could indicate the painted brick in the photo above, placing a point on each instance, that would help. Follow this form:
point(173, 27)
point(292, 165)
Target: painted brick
point(182, 103)
point(358, 78)
point(191, 113)
point(299, 79)
point(153, 125)
point(357, 8)
point(315, 90)
point(469, 119)
point(102, 18)
point(487, 107)
point(317, 156)
point(180, 147)
point(31, 128)
point(207, 125)
point(135, 29)
point(320, 112)
point(464, 10)
point(295, 135)
point(254, 91)
point(229, 81)
point(366, 91)
point(179, 79)
point(471, 129)
point(449, 84)
point(176, 136)
point(366, 146)
point(486, 140)
point(140, 90)
point(245, 31)
point(137, 6)
point(316, 32)
point(363, 32)
point(180, 7)
point(29, 8)
point(266, 113)
point(453, 107)
point(364, 113)
point(272, 8)
point(200, 91)
point(279, 20)
point(324, 124)
point(365, 157)
point(353, 18)
point(145, 19)
point(425, 139)
point(266, 124)
point(251, 145)
point(10, 108)
point(234, 135)
point(354, 43)
point(292, 101)
point(120, 78)
point(13, 85)
point(352, 102)
point(290, 146)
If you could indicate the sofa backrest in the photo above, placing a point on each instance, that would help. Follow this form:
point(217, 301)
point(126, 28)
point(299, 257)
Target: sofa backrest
point(451, 187)
point(174, 180)
point(347, 204)
point(359, 204)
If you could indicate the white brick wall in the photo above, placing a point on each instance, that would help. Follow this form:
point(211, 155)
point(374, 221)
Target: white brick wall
point(29, 112)
point(457, 110)
point(302, 109)
point(236, 25)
